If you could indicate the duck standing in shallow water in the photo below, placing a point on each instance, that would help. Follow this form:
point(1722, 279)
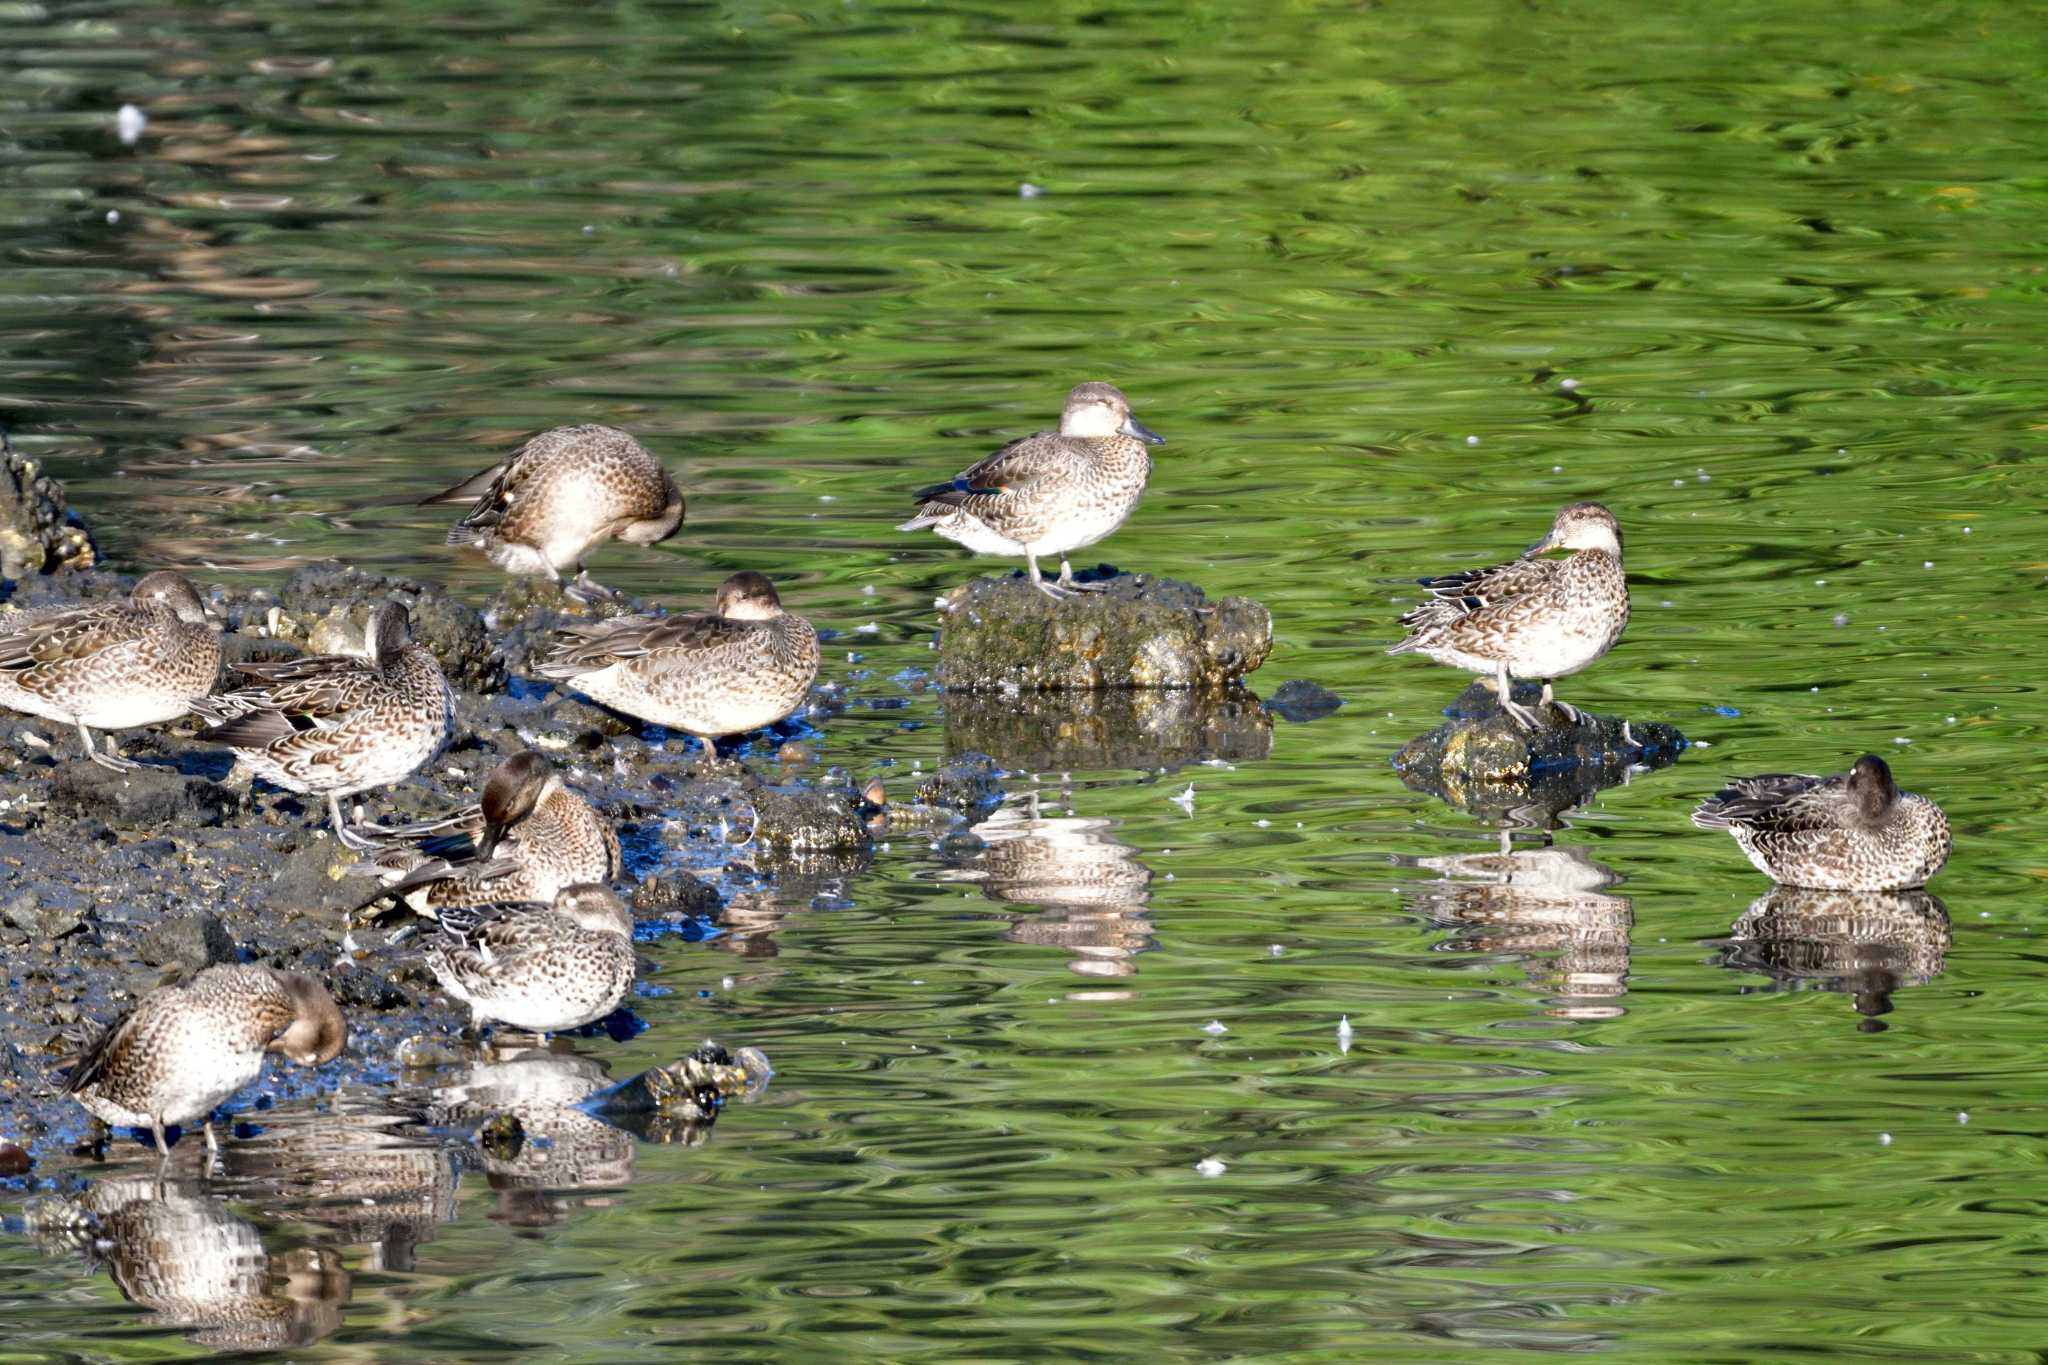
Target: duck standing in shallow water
point(182, 1050)
point(562, 492)
point(1530, 617)
point(112, 665)
point(1855, 831)
point(540, 968)
point(334, 725)
point(1051, 493)
point(745, 665)
point(532, 837)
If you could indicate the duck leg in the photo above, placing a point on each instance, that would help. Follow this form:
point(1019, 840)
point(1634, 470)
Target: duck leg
point(1571, 713)
point(1520, 714)
point(108, 759)
point(1067, 580)
point(1053, 590)
point(585, 589)
point(348, 834)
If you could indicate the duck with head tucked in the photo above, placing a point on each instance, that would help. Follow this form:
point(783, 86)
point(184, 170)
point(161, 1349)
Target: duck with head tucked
point(742, 666)
point(1051, 493)
point(1530, 617)
point(1855, 831)
point(183, 1050)
point(112, 665)
point(538, 968)
point(334, 725)
point(561, 493)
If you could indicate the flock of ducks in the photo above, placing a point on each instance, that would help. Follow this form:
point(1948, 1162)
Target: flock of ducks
point(528, 934)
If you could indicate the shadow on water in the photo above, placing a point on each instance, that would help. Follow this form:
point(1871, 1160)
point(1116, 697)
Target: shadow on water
point(1866, 945)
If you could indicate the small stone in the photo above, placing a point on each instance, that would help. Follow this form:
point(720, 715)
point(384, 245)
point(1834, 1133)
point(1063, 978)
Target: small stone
point(14, 1159)
point(503, 1137)
point(194, 942)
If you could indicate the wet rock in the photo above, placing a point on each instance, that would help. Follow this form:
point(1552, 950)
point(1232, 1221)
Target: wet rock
point(807, 819)
point(45, 918)
point(38, 533)
point(14, 1159)
point(312, 877)
point(502, 1137)
point(966, 781)
point(1483, 763)
point(675, 895)
point(1301, 701)
point(1125, 728)
point(527, 611)
point(367, 990)
point(144, 798)
point(1141, 632)
point(326, 606)
point(192, 942)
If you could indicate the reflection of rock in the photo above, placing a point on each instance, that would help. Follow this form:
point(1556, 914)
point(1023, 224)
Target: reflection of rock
point(1480, 761)
point(1090, 884)
point(1128, 728)
point(363, 1173)
point(1864, 944)
point(1538, 901)
point(1142, 632)
point(177, 1251)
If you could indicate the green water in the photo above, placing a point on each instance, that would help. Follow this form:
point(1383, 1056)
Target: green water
point(1344, 258)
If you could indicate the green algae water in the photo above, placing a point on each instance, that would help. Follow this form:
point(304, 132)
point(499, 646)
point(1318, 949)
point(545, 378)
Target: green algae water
point(1395, 282)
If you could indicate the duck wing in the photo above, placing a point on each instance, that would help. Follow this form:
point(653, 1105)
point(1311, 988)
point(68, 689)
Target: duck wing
point(39, 646)
point(586, 649)
point(1456, 596)
point(1775, 802)
point(1025, 461)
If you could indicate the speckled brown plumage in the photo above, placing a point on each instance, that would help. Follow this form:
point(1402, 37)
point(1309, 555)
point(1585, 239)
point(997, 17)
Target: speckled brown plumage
point(528, 818)
point(565, 490)
point(746, 665)
point(334, 725)
point(111, 665)
point(1530, 617)
point(1855, 831)
point(182, 1050)
point(538, 967)
point(1049, 493)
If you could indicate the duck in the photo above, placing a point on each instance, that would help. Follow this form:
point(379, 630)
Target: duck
point(529, 836)
point(334, 725)
point(561, 493)
point(540, 968)
point(1530, 617)
point(1854, 831)
point(744, 665)
point(1050, 493)
point(112, 665)
point(182, 1050)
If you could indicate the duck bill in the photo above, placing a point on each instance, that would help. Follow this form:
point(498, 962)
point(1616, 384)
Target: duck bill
point(487, 842)
point(1549, 542)
point(1134, 428)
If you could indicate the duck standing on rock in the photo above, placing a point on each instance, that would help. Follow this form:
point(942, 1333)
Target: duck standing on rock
point(1051, 493)
point(112, 665)
point(532, 837)
point(182, 1050)
point(1855, 831)
point(738, 668)
point(564, 491)
point(1530, 617)
point(540, 968)
point(334, 725)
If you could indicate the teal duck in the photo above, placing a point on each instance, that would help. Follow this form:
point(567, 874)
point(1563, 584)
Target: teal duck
point(112, 665)
point(540, 968)
point(1855, 831)
point(745, 665)
point(182, 1050)
point(1051, 493)
point(561, 493)
point(1530, 617)
point(334, 725)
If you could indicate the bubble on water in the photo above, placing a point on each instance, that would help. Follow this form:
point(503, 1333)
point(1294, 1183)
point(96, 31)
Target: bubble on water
point(1027, 190)
point(1841, 618)
point(1471, 440)
point(1344, 1034)
point(1216, 1028)
point(129, 123)
point(1962, 1116)
point(1274, 950)
point(113, 215)
point(1211, 1167)
point(1884, 1139)
point(1567, 384)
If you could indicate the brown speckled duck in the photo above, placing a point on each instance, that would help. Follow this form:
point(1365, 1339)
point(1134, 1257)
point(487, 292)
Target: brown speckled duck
point(112, 665)
point(541, 968)
point(1855, 831)
point(182, 1050)
point(724, 672)
point(562, 492)
point(1530, 617)
point(334, 725)
point(1051, 493)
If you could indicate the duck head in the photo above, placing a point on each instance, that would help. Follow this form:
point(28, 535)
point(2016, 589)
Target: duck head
point(1098, 410)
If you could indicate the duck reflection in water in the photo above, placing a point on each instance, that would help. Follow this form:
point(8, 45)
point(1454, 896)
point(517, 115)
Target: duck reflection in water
point(1089, 884)
point(533, 1142)
point(177, 1251)
point(359, 1172)
point(1549, 906)
point(1866, 944)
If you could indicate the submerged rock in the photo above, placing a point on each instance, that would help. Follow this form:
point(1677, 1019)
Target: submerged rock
point(1302, 701)
point(1485, 764)
point(1141, 632)
point(1126, 728)
point(38, 532)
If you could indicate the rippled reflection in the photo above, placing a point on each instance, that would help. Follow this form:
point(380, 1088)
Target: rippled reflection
point(1123, 728)
point(1865, 945)
point(176, 1250)
point(1547, 905)
point(532, 1141)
